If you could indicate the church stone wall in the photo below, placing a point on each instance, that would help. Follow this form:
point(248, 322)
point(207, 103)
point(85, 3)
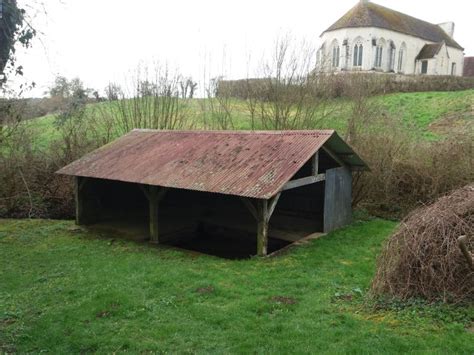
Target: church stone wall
point(370, 38)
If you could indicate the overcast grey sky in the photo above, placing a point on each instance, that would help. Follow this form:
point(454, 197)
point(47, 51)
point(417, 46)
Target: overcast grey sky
point(101, 40)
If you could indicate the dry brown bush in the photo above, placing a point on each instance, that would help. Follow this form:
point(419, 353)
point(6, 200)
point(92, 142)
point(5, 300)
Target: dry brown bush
point(406, 171)
point(28, 185)
point(422, 258)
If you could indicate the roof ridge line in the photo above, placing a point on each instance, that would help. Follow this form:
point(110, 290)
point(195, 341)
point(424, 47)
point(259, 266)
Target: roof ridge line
point(271, 132)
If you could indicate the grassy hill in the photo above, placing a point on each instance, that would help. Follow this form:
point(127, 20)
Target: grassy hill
point(69, 291)
point(428, 115)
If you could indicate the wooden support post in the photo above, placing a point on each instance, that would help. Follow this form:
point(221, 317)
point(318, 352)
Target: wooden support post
point(153, 206)
point(154, 195)
point(262, 228)
point(262, 213)
point(79, 183)
point(265, 211)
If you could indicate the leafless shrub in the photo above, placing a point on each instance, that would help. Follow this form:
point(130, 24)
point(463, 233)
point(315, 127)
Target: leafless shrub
point(287, 96)
point(152, 101)
point(363, 111)
point(217, 108)
point(422, 258)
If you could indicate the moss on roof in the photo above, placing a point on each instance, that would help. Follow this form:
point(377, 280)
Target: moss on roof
point(369, 14)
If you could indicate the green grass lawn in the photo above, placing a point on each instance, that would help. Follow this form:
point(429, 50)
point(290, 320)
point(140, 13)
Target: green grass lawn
point(67, 291)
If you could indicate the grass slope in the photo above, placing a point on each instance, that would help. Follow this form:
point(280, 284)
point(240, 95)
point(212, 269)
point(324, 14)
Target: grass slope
point(417, 111)
point(424, 109)
point(64, 291)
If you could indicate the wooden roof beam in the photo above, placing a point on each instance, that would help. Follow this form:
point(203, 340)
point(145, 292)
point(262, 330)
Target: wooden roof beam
point(293, 184)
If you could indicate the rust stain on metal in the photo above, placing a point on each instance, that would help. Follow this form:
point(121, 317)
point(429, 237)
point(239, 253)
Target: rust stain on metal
point(250, 164)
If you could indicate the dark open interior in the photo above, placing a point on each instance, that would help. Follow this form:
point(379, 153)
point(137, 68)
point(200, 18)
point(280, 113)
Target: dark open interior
point(210, 223)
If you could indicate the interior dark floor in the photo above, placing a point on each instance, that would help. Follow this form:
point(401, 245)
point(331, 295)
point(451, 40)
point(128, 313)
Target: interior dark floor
point(236, 245)
point(229, 247)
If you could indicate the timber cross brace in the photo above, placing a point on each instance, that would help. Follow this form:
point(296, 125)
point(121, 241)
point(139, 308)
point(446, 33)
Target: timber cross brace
point(262, 210)
point(313, 179)
point(154, 195)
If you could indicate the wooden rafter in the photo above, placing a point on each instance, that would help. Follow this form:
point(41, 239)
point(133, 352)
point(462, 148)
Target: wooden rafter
point(334, 156)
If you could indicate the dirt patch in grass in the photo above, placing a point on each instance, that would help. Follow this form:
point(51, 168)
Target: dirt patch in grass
point(7, 321)
point(345, 297)
point(284, 300)
point(205, 290)
point(456, 122)
point(107, 312)
point(103, 314)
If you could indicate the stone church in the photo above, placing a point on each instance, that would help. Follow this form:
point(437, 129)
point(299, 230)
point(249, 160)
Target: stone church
point(373, 38)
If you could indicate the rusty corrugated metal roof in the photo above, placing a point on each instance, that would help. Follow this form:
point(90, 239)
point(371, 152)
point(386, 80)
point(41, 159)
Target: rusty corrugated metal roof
point(250, 164)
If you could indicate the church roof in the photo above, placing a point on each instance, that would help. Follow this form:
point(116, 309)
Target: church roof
point(369, 14)
point(429, 51)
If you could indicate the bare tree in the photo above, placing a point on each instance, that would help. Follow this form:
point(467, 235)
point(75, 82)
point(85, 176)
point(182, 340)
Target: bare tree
point(286, 95)
point(113, 92)
point(188, 88)
point(219, 106)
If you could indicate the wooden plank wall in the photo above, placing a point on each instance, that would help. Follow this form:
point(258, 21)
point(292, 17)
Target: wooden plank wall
point(337, 199)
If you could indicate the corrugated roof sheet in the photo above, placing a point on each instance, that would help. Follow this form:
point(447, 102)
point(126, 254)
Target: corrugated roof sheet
point(369, 14)
point(429, 51)
point(468, 66)
point(251, 164)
